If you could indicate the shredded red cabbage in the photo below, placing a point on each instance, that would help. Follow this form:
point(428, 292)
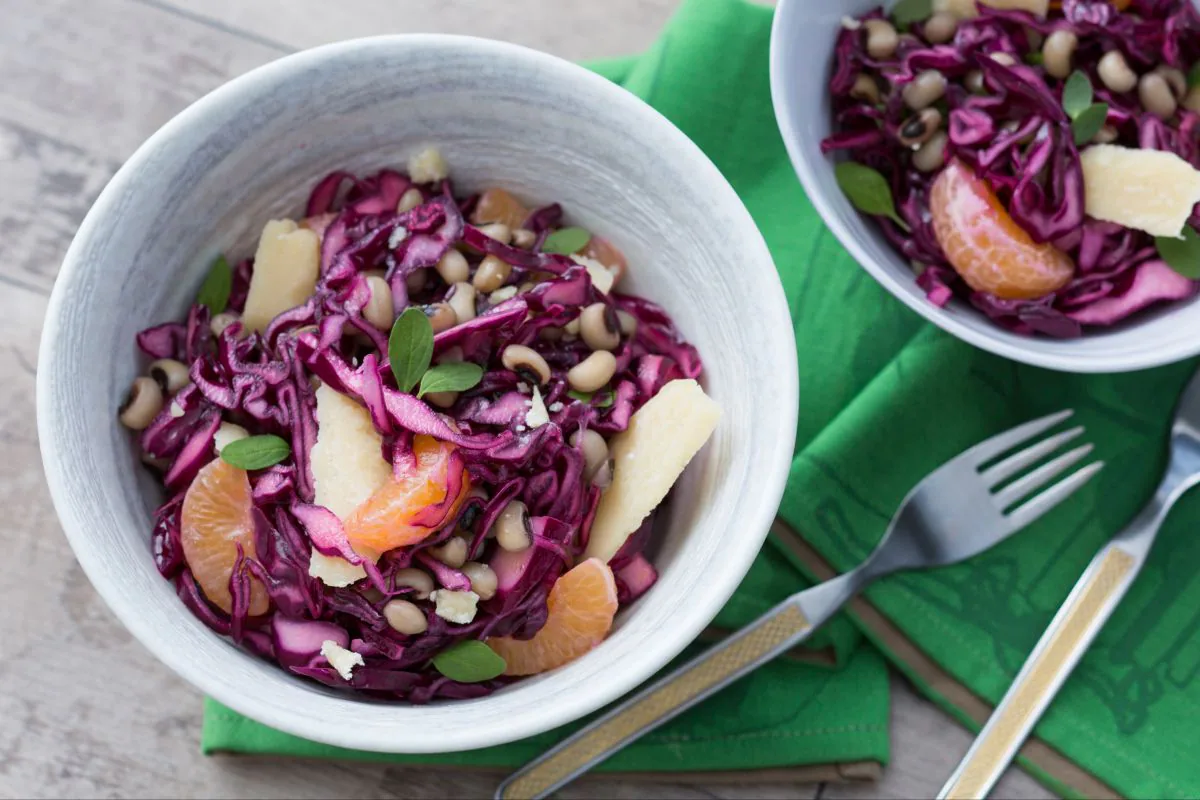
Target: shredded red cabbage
point(265, 382)
point(1013, 131)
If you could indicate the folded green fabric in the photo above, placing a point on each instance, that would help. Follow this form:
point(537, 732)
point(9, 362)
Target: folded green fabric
point(790, 713)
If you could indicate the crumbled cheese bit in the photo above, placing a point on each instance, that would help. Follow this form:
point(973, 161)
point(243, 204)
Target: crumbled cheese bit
point(334, 570)
point(502, 294)
point(457, 607)
point(537, 416)
point(1150, 190)
point(851, 24)
point(228, 432)
point(427, 166)
point(522, 387)
point(602, 277)
point(398, 236)
point(176, 410)
point(341, 659)
point(555, 407)
point(521, 428)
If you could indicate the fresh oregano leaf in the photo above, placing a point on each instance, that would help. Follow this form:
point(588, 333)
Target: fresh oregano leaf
point(1193, 78)
point(906, 12)
point(1182, 255)
point(868, 190)
point(256, 452)
point(469, 662)
point(583, 397)
point(214, 292)
point(1035, 59)
point(1077, 94)
point(410, 348)
point(1089, 122)
point(456, 376)
point(605, 401)
point(566, 241)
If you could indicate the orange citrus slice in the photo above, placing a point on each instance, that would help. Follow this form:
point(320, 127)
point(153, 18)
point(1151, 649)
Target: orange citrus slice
point(389, 518)
point(986, 246)
point(581, 609)
point(215, 520)
point(497, 205)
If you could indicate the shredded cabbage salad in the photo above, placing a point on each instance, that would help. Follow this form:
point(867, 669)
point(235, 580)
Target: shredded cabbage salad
point(482, 353)
point(1001, 106)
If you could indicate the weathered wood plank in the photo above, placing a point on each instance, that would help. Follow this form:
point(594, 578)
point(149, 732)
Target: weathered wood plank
point(574, 30)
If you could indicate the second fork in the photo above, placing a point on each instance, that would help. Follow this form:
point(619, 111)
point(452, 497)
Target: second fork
point(959, 510)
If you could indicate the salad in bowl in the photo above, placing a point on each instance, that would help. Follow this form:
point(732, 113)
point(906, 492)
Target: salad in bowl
point(1038, 159)
point(414, 445)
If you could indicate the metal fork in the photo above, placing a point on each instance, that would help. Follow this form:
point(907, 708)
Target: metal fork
point(958, 510)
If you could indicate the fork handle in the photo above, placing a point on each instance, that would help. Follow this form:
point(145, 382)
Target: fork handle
point(780, 629)
point(1076, 624)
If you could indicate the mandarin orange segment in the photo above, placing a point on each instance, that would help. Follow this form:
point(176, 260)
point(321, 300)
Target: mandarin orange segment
point(216, 519)
point(581, 606)
point(387, 519)
point(606, 254)
point(986, 246)
point(497, 205)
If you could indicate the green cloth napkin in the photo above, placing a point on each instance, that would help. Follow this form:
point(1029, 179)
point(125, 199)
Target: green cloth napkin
point(790, 713)
point(885, 398)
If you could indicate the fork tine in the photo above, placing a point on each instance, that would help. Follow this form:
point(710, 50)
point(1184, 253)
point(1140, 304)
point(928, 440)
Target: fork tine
point(1030, 510)
point(1039, 477)
point(990, 448)
point(1027, 457)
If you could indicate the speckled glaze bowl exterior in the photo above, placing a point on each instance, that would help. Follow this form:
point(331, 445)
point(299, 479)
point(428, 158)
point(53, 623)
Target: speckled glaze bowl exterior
point(501, 115)
point(802, 42)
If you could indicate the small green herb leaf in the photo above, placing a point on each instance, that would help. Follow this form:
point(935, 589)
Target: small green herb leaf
point(256, 452)
point(565, 241)
point(469, 662)
point(1194, 76)
point(906, 12)
point(606, 398)
point(457, 376)
point(410, 348)
point(1089, 122)
point(1034, 58)
point(1182, 255)
point(868, 190)
point(214, 292)
point(583, 397)
point(1077, 94)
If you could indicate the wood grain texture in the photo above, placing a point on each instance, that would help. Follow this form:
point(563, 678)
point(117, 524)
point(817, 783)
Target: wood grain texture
point(86, 711)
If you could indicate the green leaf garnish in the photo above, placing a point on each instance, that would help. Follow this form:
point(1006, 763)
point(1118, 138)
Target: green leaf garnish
point(256, 452)
point(868, 190)
point(456, 376)
point(565, 241)
point(214, 292)
point(469, 662)
point(1089, 122)
point(1035, 59)
point(606, 399)
point(1077, 94)
point(906, 12)
point(410, 348)
point(1193, 78)
point(1181, 255)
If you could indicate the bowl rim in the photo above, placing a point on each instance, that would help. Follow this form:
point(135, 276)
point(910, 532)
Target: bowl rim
point(997, 341)
point(665, 645)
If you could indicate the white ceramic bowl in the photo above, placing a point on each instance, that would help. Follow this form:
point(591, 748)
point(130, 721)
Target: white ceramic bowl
point(802, 41)
point(502, 115)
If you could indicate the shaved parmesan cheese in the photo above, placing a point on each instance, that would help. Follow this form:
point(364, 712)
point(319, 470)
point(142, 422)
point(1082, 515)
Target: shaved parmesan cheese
point(536, 416)
point(648, 457)
point(285, 272)
point(341, 659)
point(601, 275)
point(347, 467)
point(1149, 190)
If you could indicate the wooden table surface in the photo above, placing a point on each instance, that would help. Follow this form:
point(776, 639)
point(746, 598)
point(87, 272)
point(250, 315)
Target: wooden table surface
point(86, 711)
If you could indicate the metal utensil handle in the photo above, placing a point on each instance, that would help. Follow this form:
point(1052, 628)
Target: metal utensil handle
point(773, 633)
point(1076, 624)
